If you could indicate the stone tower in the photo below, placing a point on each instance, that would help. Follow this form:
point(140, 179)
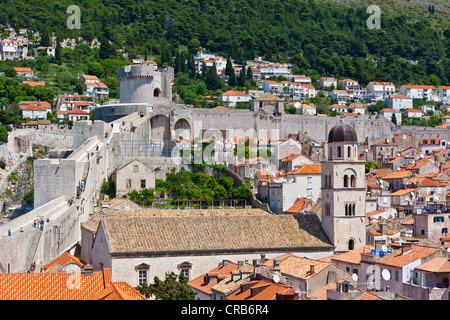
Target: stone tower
point(343, 190)
point(144, 83)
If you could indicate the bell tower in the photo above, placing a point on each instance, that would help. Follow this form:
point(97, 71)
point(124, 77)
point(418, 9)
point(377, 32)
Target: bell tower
point(343, 190)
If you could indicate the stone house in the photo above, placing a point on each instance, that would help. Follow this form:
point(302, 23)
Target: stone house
point(432, 226)
point(133, 176)
point(268, 103)
point(140, 246)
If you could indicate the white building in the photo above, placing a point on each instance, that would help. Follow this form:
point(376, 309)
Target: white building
point(232, 97)
point(274, 69)
point(418, 91)
point(329, 82)
point(35, 112)
point(94, 87)
point(10, 49)
point(50, 51)
point(301, 79)
point(349, 84)
point(306, 109)
point(444, 93)
point(388, 112)
point(413, 113)
point(380, 89)
point(398, 102)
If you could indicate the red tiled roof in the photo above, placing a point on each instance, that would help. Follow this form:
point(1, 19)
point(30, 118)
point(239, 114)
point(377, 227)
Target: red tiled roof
point(261, 289)
point(63, 286)
point(212, 277)
point(400, 259)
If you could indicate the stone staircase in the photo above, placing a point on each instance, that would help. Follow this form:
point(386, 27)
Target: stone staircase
point(29, 264)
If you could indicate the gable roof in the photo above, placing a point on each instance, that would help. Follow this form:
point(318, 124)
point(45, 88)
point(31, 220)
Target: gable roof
point(307, 169)
point(436, 265)
point(400, 259)
point(179, 235)
point(262, 288)
point(217, 274)
point(54, 286)
point(61, 260)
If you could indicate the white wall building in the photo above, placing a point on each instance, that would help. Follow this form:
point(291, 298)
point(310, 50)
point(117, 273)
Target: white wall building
point(398, 102)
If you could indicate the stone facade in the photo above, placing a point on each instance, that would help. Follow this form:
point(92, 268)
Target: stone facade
point(133, 176)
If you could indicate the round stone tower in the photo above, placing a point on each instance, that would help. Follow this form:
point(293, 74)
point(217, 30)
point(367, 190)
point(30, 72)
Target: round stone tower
point(144, 83)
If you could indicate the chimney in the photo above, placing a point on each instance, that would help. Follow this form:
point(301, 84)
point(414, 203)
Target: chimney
point(263, 258)
point(240, 265)
point(224, 263)
point(88, 270)
point(406, 247)
point(383, 228)
point(311, 269)
point(276, 264)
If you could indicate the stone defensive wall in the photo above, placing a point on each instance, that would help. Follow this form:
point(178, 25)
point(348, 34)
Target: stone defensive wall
point(172, 121)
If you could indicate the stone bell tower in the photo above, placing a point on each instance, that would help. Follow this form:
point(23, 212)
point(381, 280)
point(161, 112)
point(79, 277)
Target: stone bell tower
point(343, 190)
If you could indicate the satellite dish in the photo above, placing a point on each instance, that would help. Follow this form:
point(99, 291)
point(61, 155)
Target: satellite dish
point(400, 241)
point(436, 197)
point(383, 248)
point(386, 274)
point(276, 278)
point(355, 277)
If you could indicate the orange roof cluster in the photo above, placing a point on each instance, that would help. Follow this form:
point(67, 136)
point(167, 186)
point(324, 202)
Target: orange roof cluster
point(263, 289)
point(205, 282)
point(234, 93)
point(65, 286)
point(298, 205)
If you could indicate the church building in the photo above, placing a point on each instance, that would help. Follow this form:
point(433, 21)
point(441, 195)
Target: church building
point(343, 190)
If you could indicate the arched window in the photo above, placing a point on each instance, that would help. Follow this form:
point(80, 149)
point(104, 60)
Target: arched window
point(353, 209)
point(346, 209)
point(339, 152)
point(346, 181)
point(351, 244)
point(353, 181)
point(156, 92)
point(349, 151)
point(331, 153)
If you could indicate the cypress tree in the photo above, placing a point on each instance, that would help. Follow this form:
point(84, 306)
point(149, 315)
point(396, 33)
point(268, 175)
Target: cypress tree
point(241, 79)
point(249, 73)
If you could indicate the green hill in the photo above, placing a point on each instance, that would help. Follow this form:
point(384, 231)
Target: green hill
point(322, 38)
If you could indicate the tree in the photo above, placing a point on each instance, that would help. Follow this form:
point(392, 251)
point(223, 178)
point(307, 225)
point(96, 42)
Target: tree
point(394, 118)
point(249, 73)
point(229, 70)
point(371, 164)
point(58, 52)
point(241, 79)
point(106, 50)
point(173, 287)
point(193, 46)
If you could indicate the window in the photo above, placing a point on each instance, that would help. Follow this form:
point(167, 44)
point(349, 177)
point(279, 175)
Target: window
point(349, 151)
point(396, 275)
point(135, 168)
point(309, 192)
point(438, 219)
point(142, 277)
point(128, 183)
point(143, 184)
point(339, 152)
point(309, 180)
point(444, 230)
point(351, 244)
point(355, 271)
point(185, 273)
point(345, 181)
point(353, 181)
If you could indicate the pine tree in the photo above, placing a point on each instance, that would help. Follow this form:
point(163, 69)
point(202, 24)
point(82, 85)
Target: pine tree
point(229, 68)
point(232, 82)
point(249, 73)
point(58, 52)
point(241, 79)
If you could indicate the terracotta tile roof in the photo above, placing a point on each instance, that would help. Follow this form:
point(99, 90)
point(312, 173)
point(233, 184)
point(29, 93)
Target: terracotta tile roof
point(228, 285)
point(234, 93)
point(397, 174)
point(77, 111)
point(403, 191)
point(397, 259)
point(92, 224)
point(321, 294)
point(298, 205)
point(62, 286)
point(61, 260)
point(398, 96)
point(300, 267)
point(267, 96)
point(384, 142)
point(307, 169)
point(353, 256)
point(220, 233)
point(418, 87)
point(437, 265)
point(213, 277)
point(422, 181)
point(262, 289)
point(19, 69)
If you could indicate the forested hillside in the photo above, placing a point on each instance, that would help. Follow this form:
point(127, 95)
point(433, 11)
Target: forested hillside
point(322, 38)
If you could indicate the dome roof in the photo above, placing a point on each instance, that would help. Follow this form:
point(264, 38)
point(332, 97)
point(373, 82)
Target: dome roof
point(342, 132)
